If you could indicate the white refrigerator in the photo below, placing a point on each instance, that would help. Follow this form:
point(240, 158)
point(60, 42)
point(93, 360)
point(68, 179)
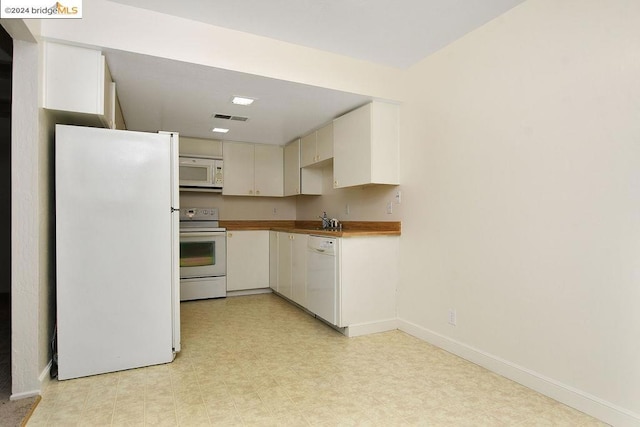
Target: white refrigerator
point(117, 250)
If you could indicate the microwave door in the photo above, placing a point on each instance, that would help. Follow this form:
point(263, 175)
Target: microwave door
point(196, 172)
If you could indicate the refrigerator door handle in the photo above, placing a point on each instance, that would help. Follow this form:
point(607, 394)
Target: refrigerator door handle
point(174, 209)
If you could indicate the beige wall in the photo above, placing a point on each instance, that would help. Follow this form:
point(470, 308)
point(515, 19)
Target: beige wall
point(242, 208)
point(366, 203)
point(32, 216)
point(520, 170)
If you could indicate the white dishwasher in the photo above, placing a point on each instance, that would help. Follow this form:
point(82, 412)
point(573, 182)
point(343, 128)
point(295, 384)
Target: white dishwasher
point(322, 277)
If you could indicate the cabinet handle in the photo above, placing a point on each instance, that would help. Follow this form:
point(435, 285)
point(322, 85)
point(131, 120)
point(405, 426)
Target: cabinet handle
point(229, 234)
point(258, 192)
point(250, 191)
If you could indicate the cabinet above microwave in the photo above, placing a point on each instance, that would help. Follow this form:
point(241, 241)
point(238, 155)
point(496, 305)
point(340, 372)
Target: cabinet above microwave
point(201, 173)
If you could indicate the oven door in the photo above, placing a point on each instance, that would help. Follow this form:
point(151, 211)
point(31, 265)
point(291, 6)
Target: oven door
point(203, 254)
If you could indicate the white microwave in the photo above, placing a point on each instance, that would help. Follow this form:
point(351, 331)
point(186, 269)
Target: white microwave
point(200, 172)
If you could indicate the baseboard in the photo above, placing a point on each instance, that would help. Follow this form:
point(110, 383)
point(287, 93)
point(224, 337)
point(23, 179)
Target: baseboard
point(24, 395)
point(249, 292)
point(45, 376)
point(44, 380)
point(371, 328)
point(592, 405)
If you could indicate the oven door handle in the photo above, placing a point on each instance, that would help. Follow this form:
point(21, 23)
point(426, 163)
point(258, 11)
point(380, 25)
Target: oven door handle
point(202, 234)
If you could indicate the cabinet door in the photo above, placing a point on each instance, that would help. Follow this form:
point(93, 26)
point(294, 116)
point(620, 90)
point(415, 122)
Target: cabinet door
point(311, 180)
point(269, 176)
point(238, 169)
point(292, 168)
point(74, 79)
point(247, 260)
point(299, 269)
point(365, 146)
point(284, 264)
point(308, 153)
point(324, 143)
point(352, 148)
point(273, 260)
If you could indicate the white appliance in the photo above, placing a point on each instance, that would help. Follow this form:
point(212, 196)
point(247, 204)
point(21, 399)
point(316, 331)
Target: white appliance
point(201, 172)
point(203, 255)
point(322, 277)
point(117, 274)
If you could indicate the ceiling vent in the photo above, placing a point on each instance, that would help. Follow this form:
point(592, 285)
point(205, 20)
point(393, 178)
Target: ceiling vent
point(228, 117)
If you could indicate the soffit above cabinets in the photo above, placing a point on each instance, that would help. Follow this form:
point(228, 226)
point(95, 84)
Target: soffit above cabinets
point(157, 93)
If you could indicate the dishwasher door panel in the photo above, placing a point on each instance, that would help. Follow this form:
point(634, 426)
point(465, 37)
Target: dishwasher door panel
point(322, 278)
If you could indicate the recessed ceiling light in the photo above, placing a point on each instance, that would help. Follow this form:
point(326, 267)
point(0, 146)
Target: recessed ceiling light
point(241, 100)
point(220, 130)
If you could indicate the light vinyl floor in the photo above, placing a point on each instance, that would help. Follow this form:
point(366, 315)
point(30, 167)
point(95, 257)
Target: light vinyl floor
point(258, 360)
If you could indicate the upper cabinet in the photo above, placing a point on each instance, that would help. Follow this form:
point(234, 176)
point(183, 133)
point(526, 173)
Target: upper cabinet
point(78, 85)
point(252, 169)
point(317, 147)
point(199, 147)
point(299, 180)
point(292, 168)
point(366, 146)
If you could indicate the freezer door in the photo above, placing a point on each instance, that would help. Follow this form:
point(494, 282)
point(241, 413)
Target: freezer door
point(114, 250)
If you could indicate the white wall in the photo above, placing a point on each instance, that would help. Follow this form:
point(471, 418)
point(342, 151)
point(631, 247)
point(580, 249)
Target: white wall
point(520, 170)
point(30, 210)
point(366, 203)
point(242, 208)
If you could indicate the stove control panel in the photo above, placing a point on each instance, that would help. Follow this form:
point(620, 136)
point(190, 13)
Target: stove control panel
point(199, 214)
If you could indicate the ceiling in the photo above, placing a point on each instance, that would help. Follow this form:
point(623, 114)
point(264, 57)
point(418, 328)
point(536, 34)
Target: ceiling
point(162, 94)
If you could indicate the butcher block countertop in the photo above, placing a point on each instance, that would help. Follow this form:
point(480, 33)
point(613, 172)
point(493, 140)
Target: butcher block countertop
point(349, 228)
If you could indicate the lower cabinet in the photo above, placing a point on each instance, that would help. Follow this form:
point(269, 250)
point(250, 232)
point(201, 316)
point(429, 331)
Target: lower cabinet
point(369, 274)
point(368, 271)
point(247, 259)
point(292, 266)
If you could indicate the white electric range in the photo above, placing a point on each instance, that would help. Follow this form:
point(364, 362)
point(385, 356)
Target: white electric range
point(203, 255)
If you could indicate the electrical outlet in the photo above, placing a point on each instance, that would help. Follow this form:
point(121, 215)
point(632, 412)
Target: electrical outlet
point(346, 209)
point(398, 197)
point(275, 211)
point(390, 207)
point(452, 317)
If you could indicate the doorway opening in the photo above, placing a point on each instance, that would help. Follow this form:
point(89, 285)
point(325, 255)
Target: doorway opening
point(6, 65)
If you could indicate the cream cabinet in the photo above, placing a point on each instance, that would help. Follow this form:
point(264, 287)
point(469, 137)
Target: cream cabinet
point(78, 86)
point(369, 269)
point(366, 146)
point(253, 169)
point(299, 180)
point(292, 168)
point(273, 260)
point(200, 147)
point(247, 260)
point(299, 268)
point(317, 147)
point(291, 254)
point(285, 281)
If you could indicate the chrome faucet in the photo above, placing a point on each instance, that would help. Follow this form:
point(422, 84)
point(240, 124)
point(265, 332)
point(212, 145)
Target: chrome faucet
point(326, 222)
